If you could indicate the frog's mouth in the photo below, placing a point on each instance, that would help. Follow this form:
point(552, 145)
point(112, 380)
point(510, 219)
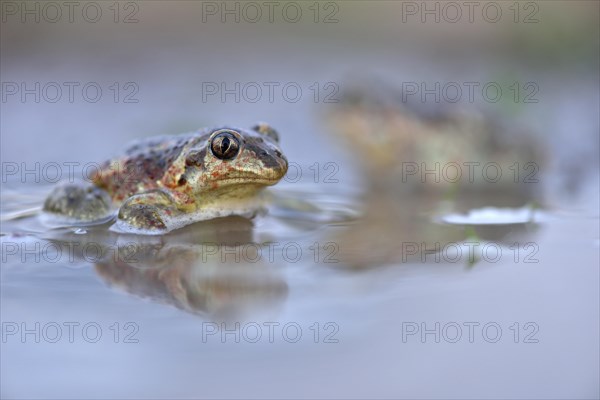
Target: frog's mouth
point(257, 175)
point(249, 181)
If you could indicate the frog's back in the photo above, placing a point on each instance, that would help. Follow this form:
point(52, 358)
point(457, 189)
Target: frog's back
point(143, 165)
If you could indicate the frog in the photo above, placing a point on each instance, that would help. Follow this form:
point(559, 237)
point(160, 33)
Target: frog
point(163, 183)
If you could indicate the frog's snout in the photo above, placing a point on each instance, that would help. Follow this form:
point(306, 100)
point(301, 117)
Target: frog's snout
point(280, 167)
point(275, 164)
point(283, 163)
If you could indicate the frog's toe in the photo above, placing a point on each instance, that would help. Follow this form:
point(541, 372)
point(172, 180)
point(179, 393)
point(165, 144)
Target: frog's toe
point(81, 202)
point(141, 217)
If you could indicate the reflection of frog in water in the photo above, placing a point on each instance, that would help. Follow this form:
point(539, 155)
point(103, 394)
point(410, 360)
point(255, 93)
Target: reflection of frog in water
point(185, 268)
point(164, 183)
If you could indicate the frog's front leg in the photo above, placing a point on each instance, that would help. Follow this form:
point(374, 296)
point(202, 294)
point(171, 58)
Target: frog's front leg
point(79, 202)
point(148, 212)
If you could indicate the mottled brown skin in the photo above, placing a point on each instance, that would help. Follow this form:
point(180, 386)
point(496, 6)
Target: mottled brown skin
point(174, 176)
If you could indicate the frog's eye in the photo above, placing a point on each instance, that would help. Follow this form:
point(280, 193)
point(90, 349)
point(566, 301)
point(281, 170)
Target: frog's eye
point(267, 130)
point(225, 146)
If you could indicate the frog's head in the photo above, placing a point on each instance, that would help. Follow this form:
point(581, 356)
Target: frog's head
point(231, 157)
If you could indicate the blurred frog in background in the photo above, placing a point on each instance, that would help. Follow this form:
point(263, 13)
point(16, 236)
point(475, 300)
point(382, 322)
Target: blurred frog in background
point(416, 146)
point(422, 160)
